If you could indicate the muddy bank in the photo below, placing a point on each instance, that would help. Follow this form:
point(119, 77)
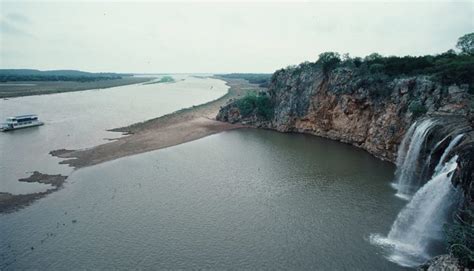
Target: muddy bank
point(38, 177)
point(10, 202)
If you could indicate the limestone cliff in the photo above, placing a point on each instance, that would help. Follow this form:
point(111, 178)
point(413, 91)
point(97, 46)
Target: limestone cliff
point(370, 112)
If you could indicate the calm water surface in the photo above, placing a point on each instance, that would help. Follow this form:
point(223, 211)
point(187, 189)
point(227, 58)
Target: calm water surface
point(246, 199)
point(77, 120)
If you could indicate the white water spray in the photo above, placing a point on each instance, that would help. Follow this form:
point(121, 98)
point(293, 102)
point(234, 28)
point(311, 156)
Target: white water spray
point(422, 219)
point(406, 181)
point(446, 152)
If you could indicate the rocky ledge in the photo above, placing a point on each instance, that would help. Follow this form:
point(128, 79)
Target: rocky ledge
point(372, 112)
point(345, 105)
point(441, 263)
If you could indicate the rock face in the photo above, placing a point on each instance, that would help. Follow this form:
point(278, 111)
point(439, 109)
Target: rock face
point(369, 112)
point(440, 263)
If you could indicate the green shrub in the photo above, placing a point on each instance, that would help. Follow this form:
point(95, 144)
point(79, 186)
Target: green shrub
point(247, 104)
point(448, 68)
point(329, 61)
point(264, 107)
point(374, 57)
point(417, 108)
point(357, 61)
point(460, 239)
point(375, 68)
point(466, 44)
point(253, 103)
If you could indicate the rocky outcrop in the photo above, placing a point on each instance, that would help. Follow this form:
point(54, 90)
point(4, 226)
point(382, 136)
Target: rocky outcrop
point(441, 263)
point(370, 112)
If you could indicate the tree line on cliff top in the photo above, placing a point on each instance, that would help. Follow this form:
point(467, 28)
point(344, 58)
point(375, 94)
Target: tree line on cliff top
point(451, 67)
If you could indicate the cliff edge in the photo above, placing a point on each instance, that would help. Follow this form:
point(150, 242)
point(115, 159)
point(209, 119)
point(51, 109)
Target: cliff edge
point(372, 109)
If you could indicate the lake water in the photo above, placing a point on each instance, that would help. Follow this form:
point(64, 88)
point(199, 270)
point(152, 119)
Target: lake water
point(81, 119)
point(244, 199)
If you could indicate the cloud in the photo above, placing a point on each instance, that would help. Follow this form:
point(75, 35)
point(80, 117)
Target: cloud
point(210, 37)
point(18, 18)
point(14, 24)
point(10, 29)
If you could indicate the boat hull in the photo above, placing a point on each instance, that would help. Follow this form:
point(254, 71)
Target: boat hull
point(6, 129)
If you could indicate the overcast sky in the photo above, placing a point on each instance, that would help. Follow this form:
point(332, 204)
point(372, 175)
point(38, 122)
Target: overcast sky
point(219, 37)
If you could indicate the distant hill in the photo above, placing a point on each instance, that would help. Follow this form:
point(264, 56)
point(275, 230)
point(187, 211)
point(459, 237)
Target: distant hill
point(7, 75)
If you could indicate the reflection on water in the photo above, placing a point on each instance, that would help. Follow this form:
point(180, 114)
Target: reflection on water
point(80, 119)
point(246, 199)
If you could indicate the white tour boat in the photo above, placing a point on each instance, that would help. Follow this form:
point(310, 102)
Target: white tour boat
point(19, 122)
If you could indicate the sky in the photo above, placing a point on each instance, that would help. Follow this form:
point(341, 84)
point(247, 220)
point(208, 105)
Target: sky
point(219, 37)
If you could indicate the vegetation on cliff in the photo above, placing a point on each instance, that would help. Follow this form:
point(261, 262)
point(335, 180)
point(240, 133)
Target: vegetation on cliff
point(371, 102)
point(417, 108)
point(368, 102)
point(466, 44)
point(258, 104)
point(460, 238)
point(447, 68)
point(328, 61)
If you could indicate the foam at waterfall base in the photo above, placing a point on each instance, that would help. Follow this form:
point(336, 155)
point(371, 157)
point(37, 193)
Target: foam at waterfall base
point(417, 230)
point(403, 196)
point(400, 195)
point(400, 253)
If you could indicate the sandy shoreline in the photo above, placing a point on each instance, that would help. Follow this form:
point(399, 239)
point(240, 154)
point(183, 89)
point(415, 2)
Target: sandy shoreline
point(179, 127)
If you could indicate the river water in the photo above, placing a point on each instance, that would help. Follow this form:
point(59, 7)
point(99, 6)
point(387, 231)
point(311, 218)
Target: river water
point(243, 199)
point(77, 120)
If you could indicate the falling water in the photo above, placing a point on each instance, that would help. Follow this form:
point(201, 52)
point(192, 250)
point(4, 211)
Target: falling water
point(403, 149)
point(427, 164)
point(406, 181)
point(421, 221)
point(451, 145)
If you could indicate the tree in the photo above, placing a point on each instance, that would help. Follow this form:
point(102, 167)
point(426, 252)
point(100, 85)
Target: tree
point(346, 57)
point(373, 57)
point(466, 44)
point(329, 60)
point(357, 61)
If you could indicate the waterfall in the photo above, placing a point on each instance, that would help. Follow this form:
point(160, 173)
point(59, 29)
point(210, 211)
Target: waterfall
point(419, 225)
point(406, 177)
point(421, 220)
point(402, 150)
point(451, 145)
